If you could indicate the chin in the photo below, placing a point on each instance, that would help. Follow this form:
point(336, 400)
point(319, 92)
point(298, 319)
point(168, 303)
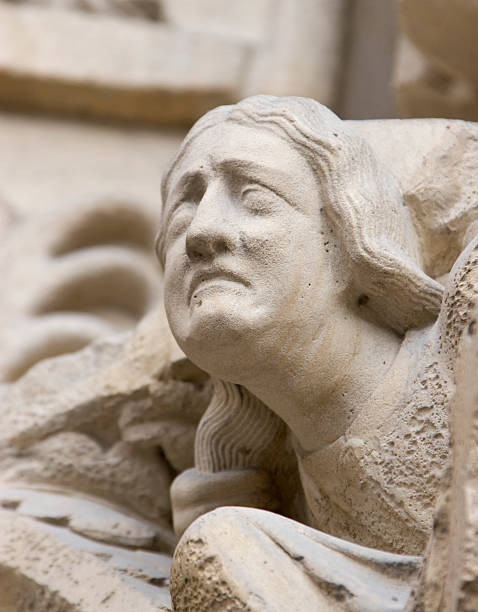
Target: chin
point(219, 341)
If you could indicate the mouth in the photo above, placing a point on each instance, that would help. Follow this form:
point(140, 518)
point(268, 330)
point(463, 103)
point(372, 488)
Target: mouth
point(203, 280)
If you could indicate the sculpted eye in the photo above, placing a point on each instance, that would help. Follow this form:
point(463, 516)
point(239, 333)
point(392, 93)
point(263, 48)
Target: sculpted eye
point(185, 199)
point(179, 220)
point(259, 199)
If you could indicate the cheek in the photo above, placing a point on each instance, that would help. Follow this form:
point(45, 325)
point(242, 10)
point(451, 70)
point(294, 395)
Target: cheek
point(281, 248)
point(174, 277)
point(269, 240)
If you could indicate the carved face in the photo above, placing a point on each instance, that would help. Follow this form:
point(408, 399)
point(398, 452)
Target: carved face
point(246, 270)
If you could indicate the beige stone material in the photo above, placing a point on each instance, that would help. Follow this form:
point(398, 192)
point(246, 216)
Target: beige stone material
point(302, 53)
point(436, 73)
point(425, 90)
point(184, 59)
point(435, 165)
point(144, 71)
point(107, 390)
point(42, 568)
point(46, 164)
point(318, 271)
point(301, 272)
point(7, 218)
point(72, 276)
point(89, 445)
point(283, 566)
point(76, 257)
point(145, 9)
point(448, 581)
point(242, 20)
point(446, 31)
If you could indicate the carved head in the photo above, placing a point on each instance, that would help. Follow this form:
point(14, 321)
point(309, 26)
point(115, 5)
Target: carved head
point(276, 214)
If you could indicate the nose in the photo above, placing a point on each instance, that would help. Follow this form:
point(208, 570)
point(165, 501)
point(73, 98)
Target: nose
point(211, 231)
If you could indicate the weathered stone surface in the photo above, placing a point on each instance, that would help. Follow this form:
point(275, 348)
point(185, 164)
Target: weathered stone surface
point(435, 163)
point(307, 271)
point(44, 567)
point(450, 575)
point(284, 565)
point(89, 445)
point(93, 421)
point(72, 276)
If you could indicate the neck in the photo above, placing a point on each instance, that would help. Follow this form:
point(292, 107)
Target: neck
point(318, 388)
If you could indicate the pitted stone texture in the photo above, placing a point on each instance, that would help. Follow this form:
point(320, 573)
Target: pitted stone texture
point(450, 575)
point(45, 568)
point(285, 566)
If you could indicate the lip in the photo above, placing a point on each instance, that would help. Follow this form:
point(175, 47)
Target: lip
point(203, 277)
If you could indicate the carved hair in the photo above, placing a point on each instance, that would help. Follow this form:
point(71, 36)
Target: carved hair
point(237, 431)
point(362, 200)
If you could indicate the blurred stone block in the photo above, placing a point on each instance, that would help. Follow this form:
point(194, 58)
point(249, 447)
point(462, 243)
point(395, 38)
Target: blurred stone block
point(66, 61)
point(302, 53)
point(445, 30)
point(436, 70)
point(241, 19)
point(425, 90)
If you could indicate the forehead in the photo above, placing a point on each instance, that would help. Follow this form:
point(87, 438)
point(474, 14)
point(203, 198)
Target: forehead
point(232, 146)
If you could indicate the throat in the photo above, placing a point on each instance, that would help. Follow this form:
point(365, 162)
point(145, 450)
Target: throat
point(320, 393)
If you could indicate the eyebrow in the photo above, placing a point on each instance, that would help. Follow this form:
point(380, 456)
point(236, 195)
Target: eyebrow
point(180, 185)
point(233, 163)
point(185, 179)
point(245, 169)
point(255, 170)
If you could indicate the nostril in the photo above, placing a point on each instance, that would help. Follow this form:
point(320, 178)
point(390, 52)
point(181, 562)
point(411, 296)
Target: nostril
point(197, 247)
point(201, 247)
point(196, 255)
point(221, 246)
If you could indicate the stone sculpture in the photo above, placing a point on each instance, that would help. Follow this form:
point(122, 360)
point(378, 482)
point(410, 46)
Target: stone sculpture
point(295, 276)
